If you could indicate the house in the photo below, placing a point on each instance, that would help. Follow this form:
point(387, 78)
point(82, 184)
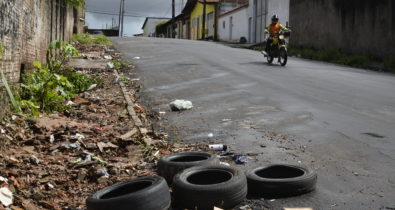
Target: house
point(149, 25)
point(260, 13)
point(232, 25)
point(196, 20)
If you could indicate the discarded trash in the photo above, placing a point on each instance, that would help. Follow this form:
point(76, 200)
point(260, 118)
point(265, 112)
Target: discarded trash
point(5, 196)
point(162, 113)
point(246, 207)
point(93, 86)
point(108, 57)
point(179, 105)
point(14, 117)
point(70, 103)
point(218, 147)
point(2, 131)
point(2, 179)
point(110, 65)
point(100, 172)
point(210, 135)
point(138, 108)
point(77, 137)
point(240, 159)
point(68, 146)
point(137, 58)
point(224, 163)
point(50, 186)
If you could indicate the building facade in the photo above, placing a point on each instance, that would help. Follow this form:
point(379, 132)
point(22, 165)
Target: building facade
point(150, 24)
point(232, 25)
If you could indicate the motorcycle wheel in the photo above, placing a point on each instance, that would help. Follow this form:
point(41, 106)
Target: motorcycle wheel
point(270, 59)
point(283, 57)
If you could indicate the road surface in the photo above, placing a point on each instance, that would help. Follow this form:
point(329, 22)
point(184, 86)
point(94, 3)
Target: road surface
point(337, 120)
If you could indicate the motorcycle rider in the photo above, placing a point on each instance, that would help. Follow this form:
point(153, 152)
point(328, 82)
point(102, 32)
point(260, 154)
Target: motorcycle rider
point(273, 29)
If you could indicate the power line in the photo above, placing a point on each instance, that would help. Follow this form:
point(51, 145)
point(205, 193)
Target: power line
point(108, 13)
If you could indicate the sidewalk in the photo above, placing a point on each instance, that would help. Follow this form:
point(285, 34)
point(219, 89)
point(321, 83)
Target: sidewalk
point(56, 161)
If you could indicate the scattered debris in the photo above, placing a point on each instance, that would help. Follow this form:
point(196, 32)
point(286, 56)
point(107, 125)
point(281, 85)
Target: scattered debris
point(110, 65)
point(179, 105)
point(210, 135)
point(137, 58)
point(240, 159)
point(6, 196)
point(107, 57)
point(129, 134)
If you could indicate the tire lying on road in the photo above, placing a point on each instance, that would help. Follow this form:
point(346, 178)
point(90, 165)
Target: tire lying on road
point(204, 187)
point(280, 180)
point(144, 193)
point(170, 165)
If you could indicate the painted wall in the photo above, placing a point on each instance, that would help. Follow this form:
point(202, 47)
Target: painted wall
point(239, 27)
point(197, 18)
point(354, 26)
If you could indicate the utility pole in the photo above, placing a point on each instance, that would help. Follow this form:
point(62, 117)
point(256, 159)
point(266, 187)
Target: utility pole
point(204, 20)
point(123, 16)
point(119, 21)
point(173, 6)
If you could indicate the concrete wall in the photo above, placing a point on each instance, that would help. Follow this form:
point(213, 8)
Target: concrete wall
point(261, 11)
point(150, 26)
point(239, 26)
point(26, 29)
point(355, 26)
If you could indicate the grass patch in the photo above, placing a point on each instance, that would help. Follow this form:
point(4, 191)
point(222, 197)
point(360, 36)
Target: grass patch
point(331, 55)
point(91, 39)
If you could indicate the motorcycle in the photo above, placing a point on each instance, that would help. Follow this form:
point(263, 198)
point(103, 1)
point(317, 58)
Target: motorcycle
point(278, 49)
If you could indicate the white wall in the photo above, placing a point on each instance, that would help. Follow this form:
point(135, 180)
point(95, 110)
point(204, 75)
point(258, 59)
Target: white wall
point(151, 25)
point(279, 7)
point(239, 29)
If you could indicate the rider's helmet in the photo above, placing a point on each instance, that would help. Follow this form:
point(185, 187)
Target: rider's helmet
point(275, 19)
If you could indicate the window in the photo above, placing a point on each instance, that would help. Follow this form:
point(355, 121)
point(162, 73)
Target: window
point(223, 24)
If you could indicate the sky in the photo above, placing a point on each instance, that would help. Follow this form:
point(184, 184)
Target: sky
point(101, 14)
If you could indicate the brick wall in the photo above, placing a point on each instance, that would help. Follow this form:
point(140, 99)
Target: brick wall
point(26, 29)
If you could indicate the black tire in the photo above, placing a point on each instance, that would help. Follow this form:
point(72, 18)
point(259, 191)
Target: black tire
point(270, 59)
point(279, 180)
point(170, 165)
point(144, 193)
point(207, 186)
point(283, 57)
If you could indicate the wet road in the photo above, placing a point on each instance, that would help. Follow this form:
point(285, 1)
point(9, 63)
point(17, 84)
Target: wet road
point(337, 120)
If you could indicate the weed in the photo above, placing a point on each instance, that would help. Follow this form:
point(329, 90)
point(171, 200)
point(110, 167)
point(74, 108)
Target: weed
point(44, 91)
point(76, 3)
point(58, 54)
point(81, 82)
point(121, 65)
point(91, 39)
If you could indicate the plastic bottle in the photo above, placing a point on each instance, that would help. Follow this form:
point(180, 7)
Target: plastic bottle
point(218, 147)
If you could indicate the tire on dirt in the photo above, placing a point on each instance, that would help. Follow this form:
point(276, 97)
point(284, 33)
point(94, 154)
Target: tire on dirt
point(144, 193)
point(278, 180)
point(207, 186)
point(170, 165)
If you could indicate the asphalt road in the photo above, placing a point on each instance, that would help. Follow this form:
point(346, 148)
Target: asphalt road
point(337, 120)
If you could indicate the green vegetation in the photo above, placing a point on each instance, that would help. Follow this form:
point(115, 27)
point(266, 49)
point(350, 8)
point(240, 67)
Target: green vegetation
point(121, 65)
point(91, 39)
point(81, 82)
point(49, 87)
point(76, 3)
point(58, 54)
point(332, 55)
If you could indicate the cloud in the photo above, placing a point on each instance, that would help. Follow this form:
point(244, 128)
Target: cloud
point(104, 12)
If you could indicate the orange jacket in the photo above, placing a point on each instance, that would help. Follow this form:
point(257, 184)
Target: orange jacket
point(274, 29)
